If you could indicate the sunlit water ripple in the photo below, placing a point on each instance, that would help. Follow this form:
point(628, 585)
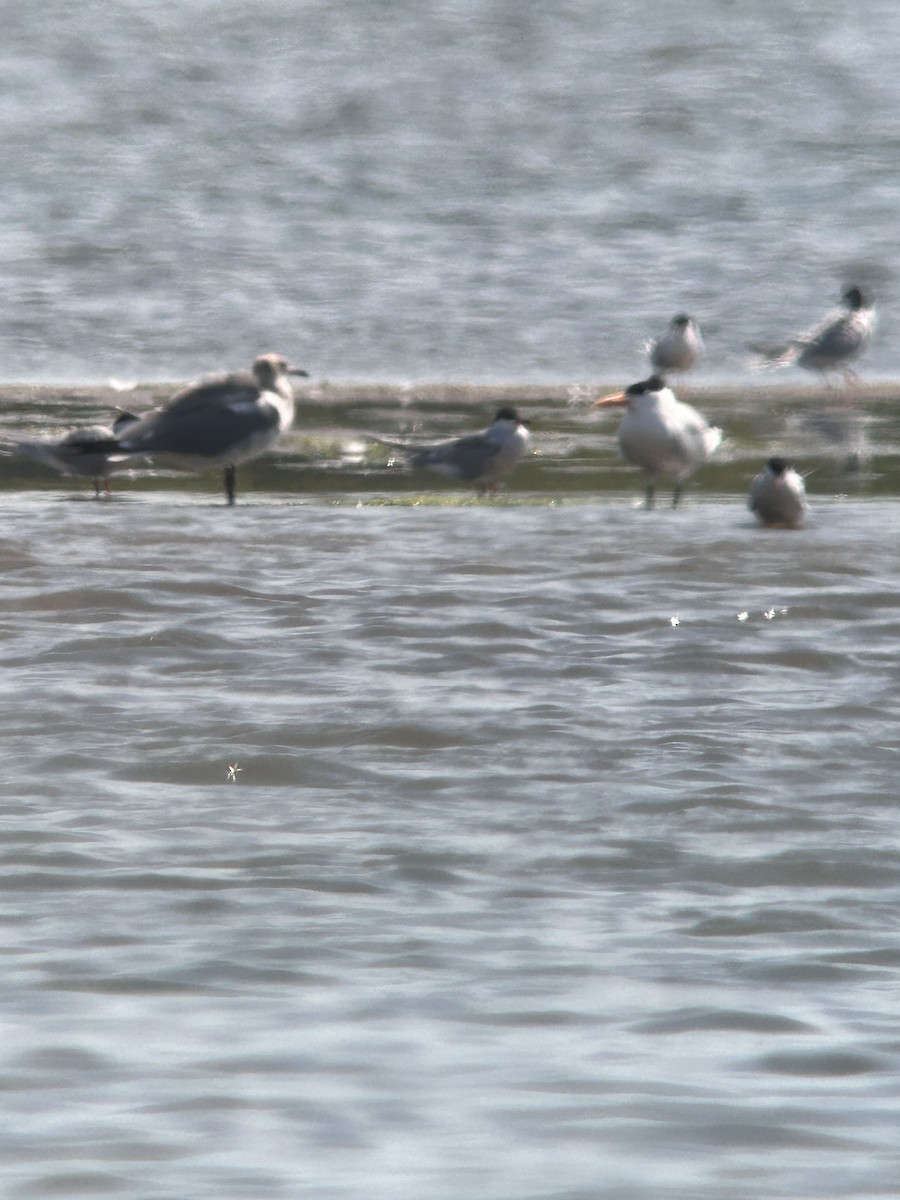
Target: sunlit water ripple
point(440, 188)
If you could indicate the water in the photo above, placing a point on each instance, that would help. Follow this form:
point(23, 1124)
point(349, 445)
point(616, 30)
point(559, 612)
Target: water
point(441, 190)
point(559, 857)
point(365, 840)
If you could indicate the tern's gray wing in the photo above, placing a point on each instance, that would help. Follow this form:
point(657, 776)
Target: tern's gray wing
point(465, 459)
point(832, 341)
point(84, 451)
point(839, 337)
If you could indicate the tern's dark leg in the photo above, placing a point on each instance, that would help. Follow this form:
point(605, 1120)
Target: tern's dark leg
point(651, 494)
point(676, 495)
point(230, 473)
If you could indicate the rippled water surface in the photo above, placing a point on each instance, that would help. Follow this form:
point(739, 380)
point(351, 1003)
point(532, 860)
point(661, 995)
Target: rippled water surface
point(559, 857)
point(441, 189)
point(366, 841)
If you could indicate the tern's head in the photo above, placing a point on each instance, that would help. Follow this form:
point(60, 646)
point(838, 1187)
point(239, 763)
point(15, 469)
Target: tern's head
point(681, 321)
point(778, 466)
point(855, 299)
point(655, 383)
point(507, 413)
point(645, 387)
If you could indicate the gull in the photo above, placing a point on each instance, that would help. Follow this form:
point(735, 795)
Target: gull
point(223, 420)
point(481, 459)
point(76, 453)
point(778, 495)
point(839, 338)
point(678, 349)
point(667, 439)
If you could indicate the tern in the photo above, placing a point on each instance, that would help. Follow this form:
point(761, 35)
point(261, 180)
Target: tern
point(837, 340)
point(223, 420)
point(75, 454)
point(678, 349)
point(778, 495)
point(482, 459)
point(667, 439)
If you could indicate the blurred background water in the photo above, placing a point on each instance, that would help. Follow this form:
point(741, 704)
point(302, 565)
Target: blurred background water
point(367, 841)
point(437, 189)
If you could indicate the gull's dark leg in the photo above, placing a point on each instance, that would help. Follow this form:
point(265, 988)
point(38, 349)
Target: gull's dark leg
point(230, 473)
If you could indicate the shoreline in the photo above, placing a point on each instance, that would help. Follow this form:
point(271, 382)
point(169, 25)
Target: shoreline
point(455, 392)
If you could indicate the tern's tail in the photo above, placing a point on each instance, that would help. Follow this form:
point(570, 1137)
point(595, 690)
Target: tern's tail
point(416, 455)
point(42, 452)
point(772, 354)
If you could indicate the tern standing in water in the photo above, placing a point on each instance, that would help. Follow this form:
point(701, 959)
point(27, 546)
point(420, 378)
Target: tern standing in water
point(838, 340)
point(778, 495)
point(679, 349)
point(667, 439)
point(221, 421)
point(481, 459)
point(75, 454)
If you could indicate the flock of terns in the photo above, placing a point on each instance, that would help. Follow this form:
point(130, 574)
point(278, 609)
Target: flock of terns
point(227, 420)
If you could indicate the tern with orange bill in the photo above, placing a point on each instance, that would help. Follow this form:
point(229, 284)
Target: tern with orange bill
point(668, 440)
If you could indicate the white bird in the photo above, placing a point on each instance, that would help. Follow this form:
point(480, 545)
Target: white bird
point(76, 453)
point(837, 340)
point(678, 349)
point(667, 439)
point(482, 459)
point(222, 421)
point(778, 495)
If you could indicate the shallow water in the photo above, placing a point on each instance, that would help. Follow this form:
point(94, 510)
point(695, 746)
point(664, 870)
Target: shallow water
point(366, 840)
point(844, 440)
point(560, 857)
